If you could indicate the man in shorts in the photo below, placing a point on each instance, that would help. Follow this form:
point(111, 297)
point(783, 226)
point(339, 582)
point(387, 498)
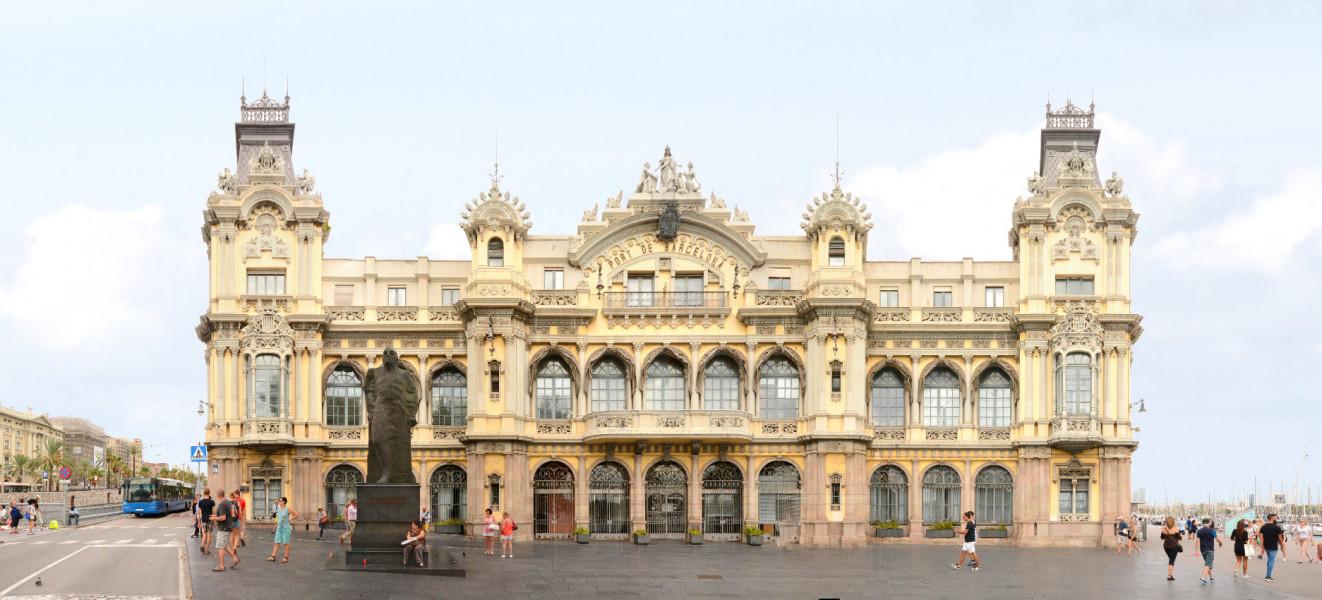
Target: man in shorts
point(241, 514)
point(1207, 535)
point(205, 507)
point(970, 533)
point(224, 519)
point(1122, 534)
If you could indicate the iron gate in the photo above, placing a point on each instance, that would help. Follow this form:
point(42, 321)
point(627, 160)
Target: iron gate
point(667, 501)
point(553, 502)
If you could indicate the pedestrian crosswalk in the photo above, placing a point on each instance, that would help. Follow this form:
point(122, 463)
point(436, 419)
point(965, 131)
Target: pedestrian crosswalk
point(132, 541)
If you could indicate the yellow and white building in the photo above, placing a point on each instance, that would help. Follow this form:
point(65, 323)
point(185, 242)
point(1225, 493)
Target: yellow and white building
point(666, 368)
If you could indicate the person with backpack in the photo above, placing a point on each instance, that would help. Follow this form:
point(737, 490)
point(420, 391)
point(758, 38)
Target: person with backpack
point(322, 521)
point(15, 518)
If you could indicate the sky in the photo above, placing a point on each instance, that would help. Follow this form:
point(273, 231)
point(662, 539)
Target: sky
point(117, 117)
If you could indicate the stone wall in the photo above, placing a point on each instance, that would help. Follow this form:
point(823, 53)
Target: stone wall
point(79, 498)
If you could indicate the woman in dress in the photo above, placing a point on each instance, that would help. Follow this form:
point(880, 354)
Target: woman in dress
point(1241, 538)
point(1170, 542)
point(1133, 537)
point(1304, 535)
point(283, 528)
point(489, 529)
point(506, 536)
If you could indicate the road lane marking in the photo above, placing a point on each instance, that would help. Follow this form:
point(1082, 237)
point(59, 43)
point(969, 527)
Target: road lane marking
point(119, 545)
point(93, 541)
point(149, 541)
point(124, 541)
point(40, 542)
point(69, 542)
point(40, 571)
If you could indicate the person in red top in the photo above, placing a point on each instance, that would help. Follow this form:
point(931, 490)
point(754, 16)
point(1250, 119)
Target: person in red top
point(506, 536)
point(242, 519)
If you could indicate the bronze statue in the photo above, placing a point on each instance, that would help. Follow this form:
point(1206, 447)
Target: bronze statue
point(392, 402)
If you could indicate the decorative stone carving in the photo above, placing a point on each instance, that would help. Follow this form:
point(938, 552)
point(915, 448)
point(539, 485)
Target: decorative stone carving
point(646, 181)
point(1074, 164)
point(892, 315)
point(948, 435)
point(305, 182)
point(1074, 242)
point(354, 433)
point(351, 313)
point(689, 183)
point(778, 298)
point(886, 434)
point(539, 330)
point(442, 313)
point(993, 315)
point(670, 422)
point(668, 224)
point(1037, 185)
point(1116, 452)
point(726, 422)
point(1034, 452)
point(836, 396)
point(590, 216)
point(765, 329)
point(266, 220)
point(615, 202)
point(1115, 185)
point(268, 427)
point(267, 331)
point(266, 162)
point(836, 210)
point(1079, 329)
point(228, 182)
point(493, 289)
point(555, 428)
point(739, 216)
point(307, 452)
point(494, 211)
point(446, 433)
point(614, 422)
point(555, 298)
point(493, 448)
point(927, 343)
point(942, 315)
point(994, 434)
point(836, 290)
point(396, 313)
point(716, 203)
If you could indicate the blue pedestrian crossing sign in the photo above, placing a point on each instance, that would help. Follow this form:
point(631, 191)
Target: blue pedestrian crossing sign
point(199, 453)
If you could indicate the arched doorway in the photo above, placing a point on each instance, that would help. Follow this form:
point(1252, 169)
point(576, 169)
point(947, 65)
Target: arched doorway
point(722, 501)
point(449, 494)
point(778, 489)
point(608, 501)
point(553, 501)
point(341, 487)
point(667, 501)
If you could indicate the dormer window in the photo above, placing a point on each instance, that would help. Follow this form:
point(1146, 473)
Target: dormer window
point(495, 253)
point(835, 252)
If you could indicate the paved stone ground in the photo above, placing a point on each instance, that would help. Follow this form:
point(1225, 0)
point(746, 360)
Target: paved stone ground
point(725, 570)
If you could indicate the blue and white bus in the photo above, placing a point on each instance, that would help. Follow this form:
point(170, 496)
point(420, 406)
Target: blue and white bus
point(156, 496)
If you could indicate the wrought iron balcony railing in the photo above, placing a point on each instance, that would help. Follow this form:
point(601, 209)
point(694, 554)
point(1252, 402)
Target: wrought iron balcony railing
point(667, 300)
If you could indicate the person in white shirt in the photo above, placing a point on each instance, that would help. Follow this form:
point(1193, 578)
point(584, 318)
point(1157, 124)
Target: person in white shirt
point(1304, 535)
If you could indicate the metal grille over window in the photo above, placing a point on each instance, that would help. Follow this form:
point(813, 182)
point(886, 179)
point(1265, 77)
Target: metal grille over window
point(665, 385)
point(994, 400)
point(890, 494)
point(941, 399)
point(836, 252)
point(887, 399)
point(778, 496)
point(495, 253)
point(720, 385)
point(666, 488)
point(779, 388)
point(553, 390)
point(607, 386)
point(940, 495)
point(449, 396)
point(608, 499)
point(993, 493)
point(688, 290)
point(341, 487)
point(722, 499)
point(344, 398)
point(553, 501)
point(449, 493)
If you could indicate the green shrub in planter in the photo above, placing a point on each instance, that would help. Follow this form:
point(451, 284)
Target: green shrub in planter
point(640, 537)
point(754, 535)
point(582, 535)
point(994, 531)
point(941, 529)
point(695, 537)
point(449, 526)
point(889, 528)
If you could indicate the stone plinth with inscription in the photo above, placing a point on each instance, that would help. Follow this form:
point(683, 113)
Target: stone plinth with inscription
point(384, 513)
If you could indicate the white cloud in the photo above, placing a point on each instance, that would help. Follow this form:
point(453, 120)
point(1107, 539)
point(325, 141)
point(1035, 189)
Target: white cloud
point(85, 273)
point(1263, 236)
point(446, 241)
point(1159, 173)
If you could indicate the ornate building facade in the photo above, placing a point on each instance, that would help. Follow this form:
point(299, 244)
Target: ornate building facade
point(665, 368)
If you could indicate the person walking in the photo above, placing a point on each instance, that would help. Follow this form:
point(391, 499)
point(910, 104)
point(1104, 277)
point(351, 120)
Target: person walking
point(1122, 535)
point(489, 529)
point(283, 528)
point(415, 541)
point(224, 519)
point(424, 516)
point(1240, 536)
point(1206, 537)
point(197, 524)
point(15, 518)
point(322, 521)
point(1272, 538)
point(350, 519)
point(205, 507)
point(507, 528)
point(1133, 536)
point(970, 533)
point(242, 516)
point(1304, 535)
point(31, 515)
point(1170, 542)
point(1257, 540)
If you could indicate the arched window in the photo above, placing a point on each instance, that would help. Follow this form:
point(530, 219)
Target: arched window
point(553, 501)
point(553, 390)
point(722, 499)
point(449, 494)
point(720, 385)
point(940, 495)
point(341, 487)
point(495, 253)
point(835, 252)
point(608, 499)
point(887, 399)
point(449, 398)
point(665, 385)
point(608, 391)
point(778, 494)
point(779, 387)
point(941, 399)
point(993, 494)
point(265, 383)
point(344, 398)
point(1076, 381)
point(890, 495)
point(993, 400)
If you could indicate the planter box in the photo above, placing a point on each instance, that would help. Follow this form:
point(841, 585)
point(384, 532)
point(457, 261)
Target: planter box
point(582, 538)
point(448, 528)
point(754, 540)
point(641, 540)
point(886, 533)
point(940, 533)
point(696, 540)
point(993, 533)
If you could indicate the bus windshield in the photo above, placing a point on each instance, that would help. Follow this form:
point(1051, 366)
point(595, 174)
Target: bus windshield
point(139, 491)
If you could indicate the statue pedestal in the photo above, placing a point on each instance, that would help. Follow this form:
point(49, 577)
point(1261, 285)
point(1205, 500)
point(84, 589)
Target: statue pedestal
point(384, 513)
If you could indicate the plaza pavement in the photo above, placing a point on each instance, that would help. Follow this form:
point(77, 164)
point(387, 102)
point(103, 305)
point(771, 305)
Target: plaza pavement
point(728, 570)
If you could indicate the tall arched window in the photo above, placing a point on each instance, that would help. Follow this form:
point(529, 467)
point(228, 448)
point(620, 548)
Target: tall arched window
point(449, 493)
point(890, 495)
point(940, 495)
point(779, 388)
point(264, 381)
point(495, 253)
point(887, 399)
point(344, 398)
point(835, 252)
point(449, 398)
point(341, 487)
point(941, 399)
point(778, 493)
point(608, 391)
point(665, 385)
point(993, 493)
point(553, 390)
point(608, 499)
point(1077, 378)
point(720, 385)
point(994, 400)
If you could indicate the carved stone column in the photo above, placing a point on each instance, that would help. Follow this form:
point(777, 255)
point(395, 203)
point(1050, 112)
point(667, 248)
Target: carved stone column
point(749, 399)
point(693, 401)
point(636, 402)
point(915, 403)
point(582, 400)
point(969, 414)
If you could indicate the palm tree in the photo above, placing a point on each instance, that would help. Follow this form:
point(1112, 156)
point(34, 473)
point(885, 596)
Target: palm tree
point(21, 465)
point(135, 455)
point(52, 459)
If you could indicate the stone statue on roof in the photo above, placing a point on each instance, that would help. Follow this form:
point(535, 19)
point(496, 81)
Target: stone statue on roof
point(667, 172)
point(646, 181)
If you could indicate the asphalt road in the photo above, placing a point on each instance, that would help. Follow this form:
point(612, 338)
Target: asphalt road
point(129, 557)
